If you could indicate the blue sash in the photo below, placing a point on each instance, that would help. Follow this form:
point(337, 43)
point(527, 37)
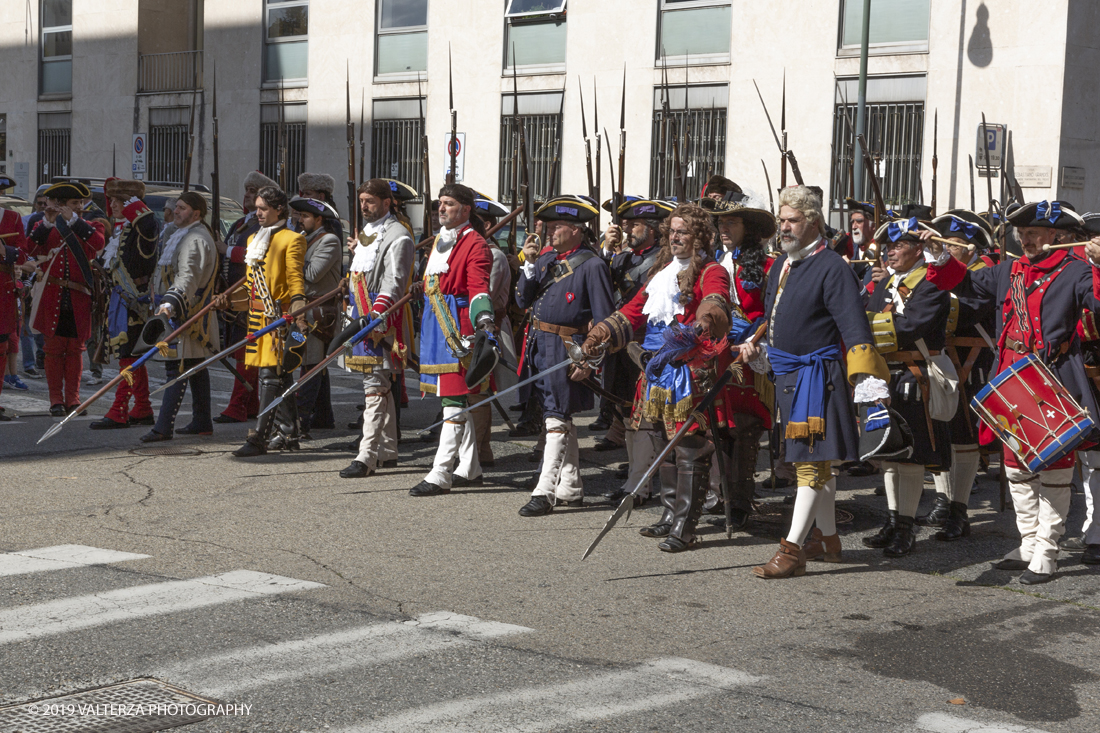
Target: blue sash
point(669, 395)
point(435, 357)
point(807, 415)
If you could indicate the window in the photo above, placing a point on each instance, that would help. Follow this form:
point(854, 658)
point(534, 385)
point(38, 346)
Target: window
point(402, 37)
point(167, 154)
point(697, 129)
point(695, 31)
point(283, 144)
point(895, 136)
point(897, 26)
point(396, 141)
point(534, 32)
point(540, 117)
point(54, 136)
point(286, 41)
point(57, 47)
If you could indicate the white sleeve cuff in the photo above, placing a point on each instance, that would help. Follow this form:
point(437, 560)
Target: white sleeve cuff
point(529, 270)
point(870, 389)
point(942, 259)
point(760, 364)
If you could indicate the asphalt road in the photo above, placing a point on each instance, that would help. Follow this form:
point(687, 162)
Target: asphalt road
point(306, 602)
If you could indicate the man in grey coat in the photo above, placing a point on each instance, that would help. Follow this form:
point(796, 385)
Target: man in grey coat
point(381, 270)
point(183, 284)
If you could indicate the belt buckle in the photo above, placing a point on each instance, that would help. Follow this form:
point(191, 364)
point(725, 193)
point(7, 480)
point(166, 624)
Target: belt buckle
point(1019, 348)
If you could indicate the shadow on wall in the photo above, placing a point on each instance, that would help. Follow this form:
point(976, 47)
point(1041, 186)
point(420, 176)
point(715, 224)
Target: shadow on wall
point(980, 48)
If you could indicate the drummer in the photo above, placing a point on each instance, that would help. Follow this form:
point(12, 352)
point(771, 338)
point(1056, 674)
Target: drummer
point(1043, 294)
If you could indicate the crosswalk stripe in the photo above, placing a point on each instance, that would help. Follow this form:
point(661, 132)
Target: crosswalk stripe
point(127, 604)
point(60, 557)
point(232, 672)
point(943, 723)
point(654, 684)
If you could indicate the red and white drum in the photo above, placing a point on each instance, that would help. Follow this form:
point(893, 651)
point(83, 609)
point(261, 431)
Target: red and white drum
point(1032, 413)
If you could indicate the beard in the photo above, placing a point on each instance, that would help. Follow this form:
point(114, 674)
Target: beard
point(857, 237)
point(789, 243)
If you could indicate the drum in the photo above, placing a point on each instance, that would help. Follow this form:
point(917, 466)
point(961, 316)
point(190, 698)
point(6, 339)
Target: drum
point(1032, 413)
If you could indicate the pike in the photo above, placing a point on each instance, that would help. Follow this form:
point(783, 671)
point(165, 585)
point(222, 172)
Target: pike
point(190, 146)
point(280, 142)
point(666, 121)
point(935, 157)
point(343, 343)
point(426, 194)
point(989, 179)
point(622, 141)
point(576, 356)
point(783, 131)
point(215, 177)
point(706, 404)
point(362, 138)
point(587, 142)
point(614, 209)
point(787, 154)
point(525, 159)
point(677, 155)
point(452, 174)
point(353, 214)
point(556, 158)
point(599, 150)
point(252, 337)
point(973, 205)
point(127, 371)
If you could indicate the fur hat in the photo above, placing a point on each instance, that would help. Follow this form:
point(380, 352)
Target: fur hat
point(121, 188)
point(316, 182)
point(258, 180)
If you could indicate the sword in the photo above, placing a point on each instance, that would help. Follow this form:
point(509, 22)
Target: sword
point(340, 348)
point(723, 473)
point(277, 323)
point(704, 405)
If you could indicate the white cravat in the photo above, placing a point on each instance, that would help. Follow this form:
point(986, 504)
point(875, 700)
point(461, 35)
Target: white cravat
point(662, 303)
point(441, 252)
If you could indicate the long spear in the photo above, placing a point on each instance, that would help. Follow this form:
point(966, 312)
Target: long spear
point(362, 138)
point(353, 215)
point(128, 371)
point(783, 131)
point(453, 148)
point(190, 146)
point(768, 181)
point(587, 143)
point(599, 148)
point(426, 194)
point(973, 205)
point(215, 177)
point(556, 158)
point(935, 156)
point(622, 141)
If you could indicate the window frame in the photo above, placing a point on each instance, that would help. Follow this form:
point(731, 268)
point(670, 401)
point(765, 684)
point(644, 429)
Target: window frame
point(559, 10)
point(297, 81)
point(702, 59)
point(379, 31)
point(42, 59)
point(891, 48)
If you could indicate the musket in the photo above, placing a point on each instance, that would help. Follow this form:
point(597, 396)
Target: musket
point(215, 176)
point(787, 154)
point(599, 149)
point(504, 222)
point(556, 158)
point(340, 345)
point(622, 141)
point(353, 216)
point(280, 142)
point(453, 147)
point(614, 209)
point(190, 146)
point(426, 194)
point(525, 159)
point(935, 156)
point(973, 205)
point(677, 156)
point(114, 160)
point(851, 145)
point(989, 180)
point(698, 413)
point(783, 130)
point(126, 372)
point(880, 205)
point(712, 135)
point(362, 138)
point(587, 143)
point(768, 181)
point(250, 338)
point(666, 124)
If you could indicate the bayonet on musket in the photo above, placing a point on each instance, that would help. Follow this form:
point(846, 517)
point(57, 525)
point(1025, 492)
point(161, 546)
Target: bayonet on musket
point(787, 154)
point(783, 131)
point(587, 143)
point(622, 143)
point(452, 174)
point(280, 142)
point(525, 182)
point(362, 138)
point(880, 205)
point(353, 213)
point(989, 178)
point(190, 146)
point(935, 156)
point(215, 178)
point(426, 193)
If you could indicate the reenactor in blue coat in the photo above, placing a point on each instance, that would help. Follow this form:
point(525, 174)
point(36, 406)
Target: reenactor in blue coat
point(565, 289)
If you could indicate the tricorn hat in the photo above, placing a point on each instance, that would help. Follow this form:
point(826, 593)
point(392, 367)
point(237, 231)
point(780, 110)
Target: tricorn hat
point(401, 191)
point(884, 435)
point(67, 190)
point(486, 206)
point(121, 188)
point(609, 205)
point(1092, 222)
point(645, 209)
point(572, 209)
point(313, 206)
point(484, 357)
point(901, 230)
point(951, 226)
point(1047, 214)
point(6, 183)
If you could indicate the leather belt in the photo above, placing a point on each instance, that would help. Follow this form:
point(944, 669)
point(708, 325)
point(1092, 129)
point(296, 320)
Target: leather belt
point(905, 357)
point(1019, 347)
point(79, 287)
point(258, 305)
point(970, 342)
point(563, 331)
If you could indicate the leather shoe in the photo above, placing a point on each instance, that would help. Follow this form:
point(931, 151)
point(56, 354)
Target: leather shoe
point(250, 449)
point(616, 497)
point(357, 469)
point(675, 544)
point(820, 547)
point(939, 514)
point(147, 420)
point(58, 411)
point(1007, 564)
point(108, 424)
point(461, 482)
point(392, 463)
point(154, 437)
point(599, 424)
point(539, 506)
point(603, 444)
point(1029, 578)
point(1072, 543)
point(426, 489)
point(525, 430)
point(1091, 556)
point(789, 561)
point(223, 419)
point(776, 482)
point(738, 518)
point(884, 536)
point(192, 429)
point(655, 530)
point(862, 469)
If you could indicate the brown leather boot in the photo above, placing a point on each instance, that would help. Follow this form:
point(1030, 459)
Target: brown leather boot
point(820, 547)
point(789, 561)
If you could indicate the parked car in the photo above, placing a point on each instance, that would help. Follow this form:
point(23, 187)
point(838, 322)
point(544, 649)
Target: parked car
point(16, 203)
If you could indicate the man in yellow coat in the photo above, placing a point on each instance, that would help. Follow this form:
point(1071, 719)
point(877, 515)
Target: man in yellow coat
point(275, 286)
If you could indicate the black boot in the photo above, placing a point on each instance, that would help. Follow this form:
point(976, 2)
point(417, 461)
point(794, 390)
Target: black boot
point(885, 535)
point(957, 524)
point(905, 536)
point(941, 510)
point(692, 471)
point(667, 497)
point(271, 386)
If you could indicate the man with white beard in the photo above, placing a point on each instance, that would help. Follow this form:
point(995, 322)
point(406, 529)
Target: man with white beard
point(813, 306)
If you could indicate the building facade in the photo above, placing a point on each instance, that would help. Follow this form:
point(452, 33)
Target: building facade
point(84, 77)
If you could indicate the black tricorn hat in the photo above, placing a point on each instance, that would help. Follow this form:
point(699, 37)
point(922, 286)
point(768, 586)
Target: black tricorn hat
point(865, 207)
point(294, 349)
point(313, 206)
point(609, 205)
point(6, 183)
point(922, 212)
point(1046, 214)
point(67, 190)
point(567, 208)
point(484, 357)
point(884, 435)
point(951, 226)
point(154, 330)
point(401, 191)
point(646, 209)
point(719, 184)
point(972, 217)
point(1092, 222)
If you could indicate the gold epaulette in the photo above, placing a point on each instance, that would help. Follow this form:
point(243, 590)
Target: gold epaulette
point(882, 329)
